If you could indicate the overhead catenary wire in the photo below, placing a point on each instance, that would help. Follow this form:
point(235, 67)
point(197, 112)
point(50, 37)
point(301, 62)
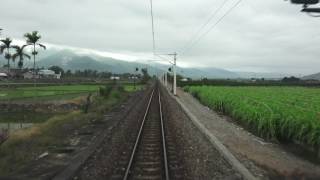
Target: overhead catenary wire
point(153, 36)
point(210, 29)
point(164, 58)
point(211, 17)
point(152, 24)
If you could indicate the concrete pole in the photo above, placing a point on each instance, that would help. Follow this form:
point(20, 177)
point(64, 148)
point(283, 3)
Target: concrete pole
point(162, 78)
point(175, 75)
point(166, 79)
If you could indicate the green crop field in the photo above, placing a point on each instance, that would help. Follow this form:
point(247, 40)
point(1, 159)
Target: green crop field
point(29, 92)
point(52, 91)
point(282, 113)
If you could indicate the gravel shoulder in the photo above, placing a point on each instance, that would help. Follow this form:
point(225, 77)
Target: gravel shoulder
point(199, 158)
point(264, 159)
point(190, 154)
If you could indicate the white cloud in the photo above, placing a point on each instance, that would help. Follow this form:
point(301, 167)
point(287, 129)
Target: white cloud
point(258, 35)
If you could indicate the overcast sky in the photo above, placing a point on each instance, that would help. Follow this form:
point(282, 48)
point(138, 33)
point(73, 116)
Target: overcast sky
point(261, 36)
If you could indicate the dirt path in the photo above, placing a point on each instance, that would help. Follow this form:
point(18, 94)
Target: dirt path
point(265, 160)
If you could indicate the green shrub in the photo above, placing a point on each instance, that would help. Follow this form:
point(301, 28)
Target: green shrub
point(105, 91)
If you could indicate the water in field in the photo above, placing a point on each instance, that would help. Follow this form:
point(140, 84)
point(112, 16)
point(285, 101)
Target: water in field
point(11, 127)
point(25, 117)
point(12, 121)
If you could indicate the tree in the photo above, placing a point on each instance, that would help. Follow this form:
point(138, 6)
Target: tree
point(6, 46)
point(145, 75)
point(32, 40)
point(56, 69)
point(291, 79)
point(68, 73)
point(20, 54)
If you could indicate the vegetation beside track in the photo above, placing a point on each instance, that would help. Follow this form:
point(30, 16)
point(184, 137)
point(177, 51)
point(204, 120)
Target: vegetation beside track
point(26, 145)
point(250, 82)
point(279, 113)
point(53, 91)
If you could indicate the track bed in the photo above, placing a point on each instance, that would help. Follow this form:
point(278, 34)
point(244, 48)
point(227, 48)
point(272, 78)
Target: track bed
point(157, 141)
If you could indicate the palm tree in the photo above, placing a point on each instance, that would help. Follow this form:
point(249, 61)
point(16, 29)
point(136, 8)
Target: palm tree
point(6, 46)
point(20, 54)
point(32, 40)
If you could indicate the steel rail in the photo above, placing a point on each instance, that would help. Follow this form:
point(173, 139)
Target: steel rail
point(138, 139)
point(163, 142)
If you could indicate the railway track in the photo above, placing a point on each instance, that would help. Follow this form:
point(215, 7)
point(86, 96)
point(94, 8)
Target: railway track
point(156, 141)
point(148, 158)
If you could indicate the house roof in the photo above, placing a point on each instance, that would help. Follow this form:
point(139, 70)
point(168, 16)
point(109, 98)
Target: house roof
point(46, 72)
point(3, 70)
point(3, 75)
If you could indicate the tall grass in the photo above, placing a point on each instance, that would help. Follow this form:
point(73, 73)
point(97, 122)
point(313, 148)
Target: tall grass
point(282, 113)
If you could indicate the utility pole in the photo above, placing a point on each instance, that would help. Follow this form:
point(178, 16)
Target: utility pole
point(134, 77)
point(162, 78)
point(174, 72)
point(166, 79)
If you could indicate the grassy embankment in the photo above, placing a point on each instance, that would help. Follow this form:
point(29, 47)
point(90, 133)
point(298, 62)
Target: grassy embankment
point(278, 113)
point(47, 91)
point(72, 93)
point(52, 92)
point(26, 145)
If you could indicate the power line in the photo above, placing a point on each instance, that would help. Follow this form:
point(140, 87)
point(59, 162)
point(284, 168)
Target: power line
point(206, 23)
point(154, 43)
point(153, 34)
point(169, 61)
point(212, 27)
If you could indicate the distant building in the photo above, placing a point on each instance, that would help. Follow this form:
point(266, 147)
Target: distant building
point(27, 75)
point(3, 75)
point(184, 80)
point(48, 74)
point(4, 70)
point(42, 74)
point(133, 77)
point(16, 73)
point(115, 78)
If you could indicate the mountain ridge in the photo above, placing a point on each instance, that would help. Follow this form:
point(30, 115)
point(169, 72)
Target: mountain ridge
point(71, 60)
point(315, 76)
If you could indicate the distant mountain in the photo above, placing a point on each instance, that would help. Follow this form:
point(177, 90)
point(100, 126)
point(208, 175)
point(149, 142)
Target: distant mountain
point(312, 77)
point(211, 72)
point(70, 60)
point(249, 75)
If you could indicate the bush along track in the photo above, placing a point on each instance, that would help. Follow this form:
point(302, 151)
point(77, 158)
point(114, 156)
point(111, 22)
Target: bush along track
point(285, 114)
point(24, 146)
